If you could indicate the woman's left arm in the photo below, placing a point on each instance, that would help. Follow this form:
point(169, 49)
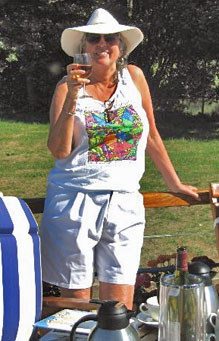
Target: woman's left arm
point(155, 145)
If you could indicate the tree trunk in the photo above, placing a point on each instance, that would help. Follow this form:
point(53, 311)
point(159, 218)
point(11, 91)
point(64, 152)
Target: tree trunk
point(130, 8)
point(203, 105)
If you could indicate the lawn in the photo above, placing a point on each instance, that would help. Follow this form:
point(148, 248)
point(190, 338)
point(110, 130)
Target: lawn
point(25, 163)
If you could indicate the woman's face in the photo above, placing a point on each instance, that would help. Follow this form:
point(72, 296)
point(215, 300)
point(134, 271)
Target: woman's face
point(104, 49)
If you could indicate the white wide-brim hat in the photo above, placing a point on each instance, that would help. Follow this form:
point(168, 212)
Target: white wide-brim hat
point(100, 22)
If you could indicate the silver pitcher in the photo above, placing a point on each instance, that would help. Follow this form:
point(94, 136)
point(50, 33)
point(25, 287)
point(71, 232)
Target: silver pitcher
point(112, 323)
point(211, 297)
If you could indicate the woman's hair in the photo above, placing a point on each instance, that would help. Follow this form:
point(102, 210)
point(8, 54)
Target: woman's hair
point(122, 60)
point(82, 43)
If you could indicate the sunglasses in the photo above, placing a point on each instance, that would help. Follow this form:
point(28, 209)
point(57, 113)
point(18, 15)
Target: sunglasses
point(95, 38)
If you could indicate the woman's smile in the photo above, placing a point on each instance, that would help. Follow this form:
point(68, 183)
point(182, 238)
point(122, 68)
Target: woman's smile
point(104, 54)
point(101, 53)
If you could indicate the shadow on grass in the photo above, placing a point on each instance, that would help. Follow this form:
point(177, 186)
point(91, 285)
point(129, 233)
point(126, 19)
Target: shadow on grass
point(180, 125)
point(170, 124)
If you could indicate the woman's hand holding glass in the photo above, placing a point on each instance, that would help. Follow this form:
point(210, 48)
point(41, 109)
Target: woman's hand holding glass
point(74, 80)
point(80, 69)
point(82, 62)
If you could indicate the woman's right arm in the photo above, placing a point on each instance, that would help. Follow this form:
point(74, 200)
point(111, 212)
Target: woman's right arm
point(61, 122)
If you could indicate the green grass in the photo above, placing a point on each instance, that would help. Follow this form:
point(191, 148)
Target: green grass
point(197, 164)
point(24, 159)
point(25, 163)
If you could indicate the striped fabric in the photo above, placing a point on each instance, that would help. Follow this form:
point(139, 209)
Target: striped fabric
point(20, 270)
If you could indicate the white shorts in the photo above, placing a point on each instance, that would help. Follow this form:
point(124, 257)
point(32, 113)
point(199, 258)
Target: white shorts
point(83, 232)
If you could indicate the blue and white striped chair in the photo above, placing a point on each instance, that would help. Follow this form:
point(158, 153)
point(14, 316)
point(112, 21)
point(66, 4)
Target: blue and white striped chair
point(20, 270)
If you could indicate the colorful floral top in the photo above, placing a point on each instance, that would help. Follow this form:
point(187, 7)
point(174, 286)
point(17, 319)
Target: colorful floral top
point(109, 142)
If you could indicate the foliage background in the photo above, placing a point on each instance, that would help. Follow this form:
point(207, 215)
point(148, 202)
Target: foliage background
point(179, 54)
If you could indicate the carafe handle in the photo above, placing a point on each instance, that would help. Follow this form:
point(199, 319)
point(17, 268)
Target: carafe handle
point(92, 317)
point(212, 319)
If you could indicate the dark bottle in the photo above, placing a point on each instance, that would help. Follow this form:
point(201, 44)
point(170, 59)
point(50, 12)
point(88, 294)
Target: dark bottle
point(181, 273)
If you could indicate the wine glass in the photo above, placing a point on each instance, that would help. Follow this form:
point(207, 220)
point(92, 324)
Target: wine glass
point(84, 63)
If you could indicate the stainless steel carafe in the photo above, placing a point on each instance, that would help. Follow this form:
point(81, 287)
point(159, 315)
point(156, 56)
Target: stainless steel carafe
point(112, 323)
point(211, 297)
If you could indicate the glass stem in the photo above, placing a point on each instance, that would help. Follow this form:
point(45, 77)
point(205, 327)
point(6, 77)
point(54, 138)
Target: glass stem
point(84, 89)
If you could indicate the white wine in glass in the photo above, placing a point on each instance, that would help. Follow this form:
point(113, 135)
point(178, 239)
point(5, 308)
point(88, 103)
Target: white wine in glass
point(84, 63)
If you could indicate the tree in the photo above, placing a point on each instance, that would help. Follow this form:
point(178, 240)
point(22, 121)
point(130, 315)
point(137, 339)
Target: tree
point(179, 54)
point(31, 57)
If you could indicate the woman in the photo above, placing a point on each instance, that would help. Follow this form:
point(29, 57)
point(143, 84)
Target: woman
point(94, 214)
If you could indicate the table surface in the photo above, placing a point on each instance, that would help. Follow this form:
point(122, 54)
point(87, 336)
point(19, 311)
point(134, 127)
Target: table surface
point(148, 333)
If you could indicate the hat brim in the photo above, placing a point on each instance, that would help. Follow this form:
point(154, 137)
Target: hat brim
point(71, 37)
